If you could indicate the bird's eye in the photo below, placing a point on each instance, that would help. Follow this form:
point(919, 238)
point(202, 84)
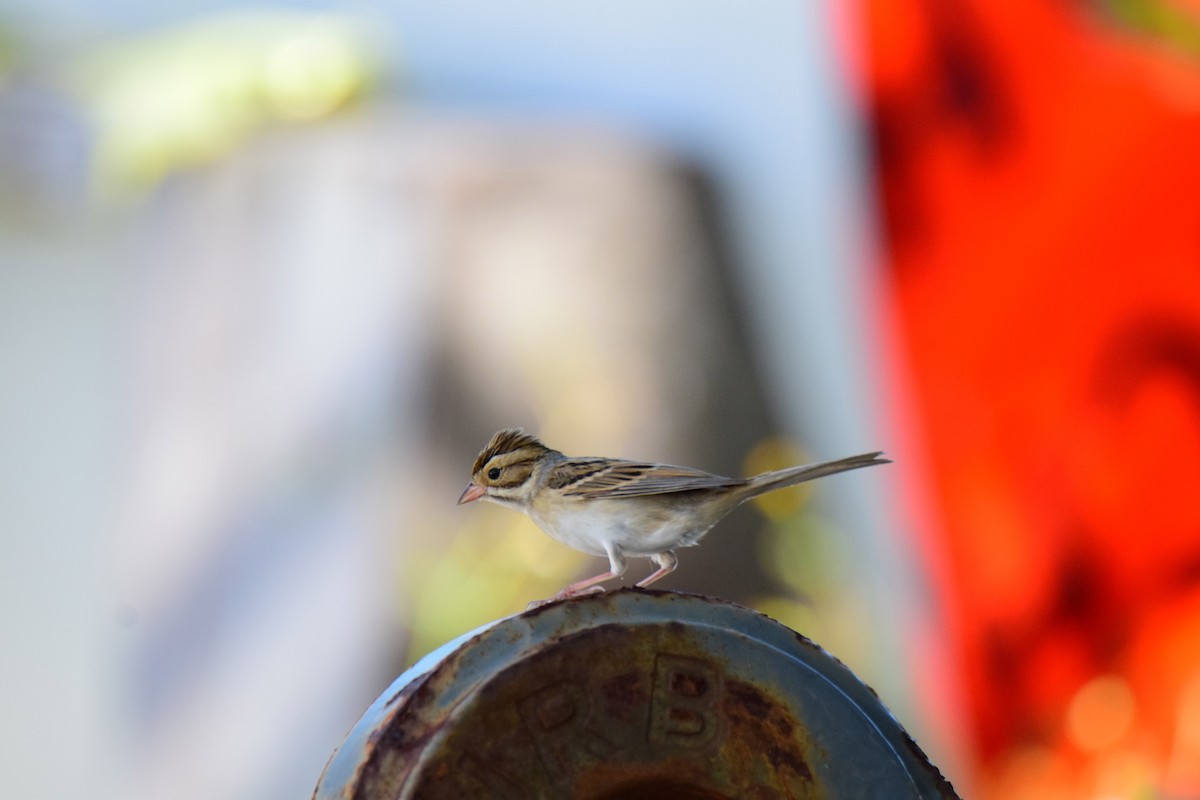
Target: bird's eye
point(493, 473)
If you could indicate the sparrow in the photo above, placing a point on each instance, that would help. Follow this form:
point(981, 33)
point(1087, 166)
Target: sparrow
point(617, 508)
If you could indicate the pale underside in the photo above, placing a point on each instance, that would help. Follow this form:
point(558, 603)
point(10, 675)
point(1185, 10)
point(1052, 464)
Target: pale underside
point(637, 526)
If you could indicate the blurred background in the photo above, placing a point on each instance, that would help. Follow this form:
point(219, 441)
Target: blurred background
point(271, 276)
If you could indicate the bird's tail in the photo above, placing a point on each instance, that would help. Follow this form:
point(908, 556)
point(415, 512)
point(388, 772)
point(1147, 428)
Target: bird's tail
point(770, 481)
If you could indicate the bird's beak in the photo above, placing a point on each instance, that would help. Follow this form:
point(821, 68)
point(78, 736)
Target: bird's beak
point(471, 493)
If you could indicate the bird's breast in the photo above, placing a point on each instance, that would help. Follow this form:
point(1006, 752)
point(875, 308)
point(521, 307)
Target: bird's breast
point(635, 525)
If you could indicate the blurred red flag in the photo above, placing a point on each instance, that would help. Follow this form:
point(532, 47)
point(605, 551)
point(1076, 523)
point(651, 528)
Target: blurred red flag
point(1039, 169)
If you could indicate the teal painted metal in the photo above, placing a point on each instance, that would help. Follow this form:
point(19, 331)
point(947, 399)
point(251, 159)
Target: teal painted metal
point(630, 694)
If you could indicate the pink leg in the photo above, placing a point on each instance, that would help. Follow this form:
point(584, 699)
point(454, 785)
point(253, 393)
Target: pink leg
point(667, 561)
point(586, 585)
point(616, 568)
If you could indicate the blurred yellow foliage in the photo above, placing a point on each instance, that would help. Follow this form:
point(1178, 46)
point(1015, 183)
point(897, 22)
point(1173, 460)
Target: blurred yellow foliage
point(495, 565)
point(771, 454)
point(186, 96)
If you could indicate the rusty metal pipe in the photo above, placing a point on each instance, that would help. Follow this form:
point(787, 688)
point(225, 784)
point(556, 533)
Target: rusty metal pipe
point(630, 694)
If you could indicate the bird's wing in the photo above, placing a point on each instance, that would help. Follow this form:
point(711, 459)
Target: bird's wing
point(610, 478)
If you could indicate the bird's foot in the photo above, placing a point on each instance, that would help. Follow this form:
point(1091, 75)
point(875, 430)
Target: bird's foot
point(565, 594)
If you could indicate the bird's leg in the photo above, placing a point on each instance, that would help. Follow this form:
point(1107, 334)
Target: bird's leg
point(667, 561)
point(616, 568)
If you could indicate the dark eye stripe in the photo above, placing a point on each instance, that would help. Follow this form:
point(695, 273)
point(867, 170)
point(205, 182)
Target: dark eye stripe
point(514, 475)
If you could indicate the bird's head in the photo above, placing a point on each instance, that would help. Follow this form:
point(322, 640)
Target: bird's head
point(505, 470)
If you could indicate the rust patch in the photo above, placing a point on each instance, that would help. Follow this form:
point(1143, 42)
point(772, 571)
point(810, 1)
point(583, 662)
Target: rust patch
point(688, 685)
point(756, 705)
point(766, 726)
point(626, 695)
point(749, 699)
point(394, 745)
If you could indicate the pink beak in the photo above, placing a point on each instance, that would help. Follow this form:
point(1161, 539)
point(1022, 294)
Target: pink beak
point(471, 493)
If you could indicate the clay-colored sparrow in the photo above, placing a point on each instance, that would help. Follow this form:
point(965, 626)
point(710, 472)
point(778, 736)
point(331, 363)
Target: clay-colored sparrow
point(615, 508)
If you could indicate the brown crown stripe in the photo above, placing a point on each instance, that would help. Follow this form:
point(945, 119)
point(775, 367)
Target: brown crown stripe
point(508, 441)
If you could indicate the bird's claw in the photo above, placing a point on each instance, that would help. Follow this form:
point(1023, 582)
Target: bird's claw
point(564, 595)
